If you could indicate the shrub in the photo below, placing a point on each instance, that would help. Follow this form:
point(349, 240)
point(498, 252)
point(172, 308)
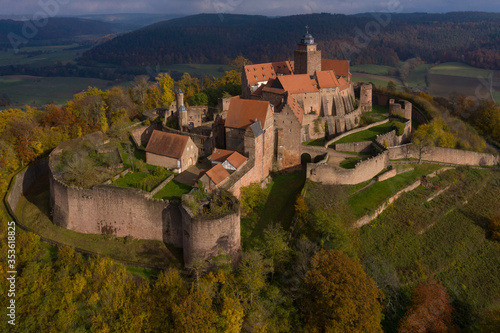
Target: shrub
point(399, 127)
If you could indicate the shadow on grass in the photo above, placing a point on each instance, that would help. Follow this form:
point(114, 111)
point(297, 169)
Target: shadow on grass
point(279, 207)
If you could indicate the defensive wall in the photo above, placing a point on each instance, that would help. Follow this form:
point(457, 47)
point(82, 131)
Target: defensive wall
point(120, 211)
point(25, 179)
point(391, 139)
point(356, 147)
point(363, 171)
point(204, 237)
point(444, 155)
point(141, 135)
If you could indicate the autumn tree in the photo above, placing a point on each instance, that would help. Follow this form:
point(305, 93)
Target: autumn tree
point(494, 228)
point(275, 245)
point(139, 91)
point(189, 85)
point(239, 63)
point(431, 310)
point(391, 86)
point(436, 133)
point(339, 296)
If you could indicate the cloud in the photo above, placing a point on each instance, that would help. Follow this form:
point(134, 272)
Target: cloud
point(263, 7)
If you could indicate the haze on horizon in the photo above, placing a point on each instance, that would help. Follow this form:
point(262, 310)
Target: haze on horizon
point(261, 7)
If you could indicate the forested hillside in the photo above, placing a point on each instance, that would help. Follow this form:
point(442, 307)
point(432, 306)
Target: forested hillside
point(473, 38)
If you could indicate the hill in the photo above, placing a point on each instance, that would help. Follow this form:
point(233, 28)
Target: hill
point(470, 37)
point(57, 29)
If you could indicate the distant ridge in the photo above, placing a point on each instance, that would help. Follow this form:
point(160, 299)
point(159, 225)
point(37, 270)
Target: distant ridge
point(470, 37)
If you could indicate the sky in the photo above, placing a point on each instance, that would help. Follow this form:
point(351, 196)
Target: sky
point(263, 7)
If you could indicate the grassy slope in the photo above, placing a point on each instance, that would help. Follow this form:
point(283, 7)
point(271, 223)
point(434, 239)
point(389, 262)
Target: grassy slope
point(367, 135)
point(445, 238)
point(367, 201)
point(279, 208)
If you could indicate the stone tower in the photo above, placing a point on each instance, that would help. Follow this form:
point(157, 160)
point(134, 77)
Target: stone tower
point(182, 111)
point(307, 57)
point(365, 97)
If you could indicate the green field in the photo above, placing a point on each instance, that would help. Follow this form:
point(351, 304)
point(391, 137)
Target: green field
point(372, 69)
point(50, 55)
point(377, 80)
point(417, 77)
point(33, 211)
point(33, 90)
point(459, 69)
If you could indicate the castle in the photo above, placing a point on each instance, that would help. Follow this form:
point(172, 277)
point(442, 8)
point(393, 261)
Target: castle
point(282, 105)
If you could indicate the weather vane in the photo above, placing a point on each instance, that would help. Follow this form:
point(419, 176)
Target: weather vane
point(307, 28)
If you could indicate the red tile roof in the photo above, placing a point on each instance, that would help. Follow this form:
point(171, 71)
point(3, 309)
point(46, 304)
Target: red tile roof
point(243, 112)
point(343, 84)
point(340, 67)
point(167, 144)
point(263, 72)
point(327, 79)
point(217, 174)
point(296, 108)
point(295, 84)
point(220, 155)
point(236, 159)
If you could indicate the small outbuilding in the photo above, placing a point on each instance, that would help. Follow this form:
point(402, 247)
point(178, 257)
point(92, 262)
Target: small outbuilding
point(171, 151)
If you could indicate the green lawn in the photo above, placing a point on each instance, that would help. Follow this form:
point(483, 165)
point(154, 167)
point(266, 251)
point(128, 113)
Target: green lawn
point(278, 208)
point(173, 190)
point(366, 202)
point(34, 212)
point(459, 69)
point(367, 135)
point(130, 179)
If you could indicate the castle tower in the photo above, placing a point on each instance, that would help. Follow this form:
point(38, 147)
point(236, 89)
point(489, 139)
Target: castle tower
point(182, 111)
point(307, 57)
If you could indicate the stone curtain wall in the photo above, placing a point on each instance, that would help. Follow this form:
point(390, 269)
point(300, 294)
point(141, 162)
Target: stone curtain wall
point(356, 147)
point(392, 139)
point(444, 155)
point(142, 134)
point(25, 179)
point(363, 171)
point(120, 211)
